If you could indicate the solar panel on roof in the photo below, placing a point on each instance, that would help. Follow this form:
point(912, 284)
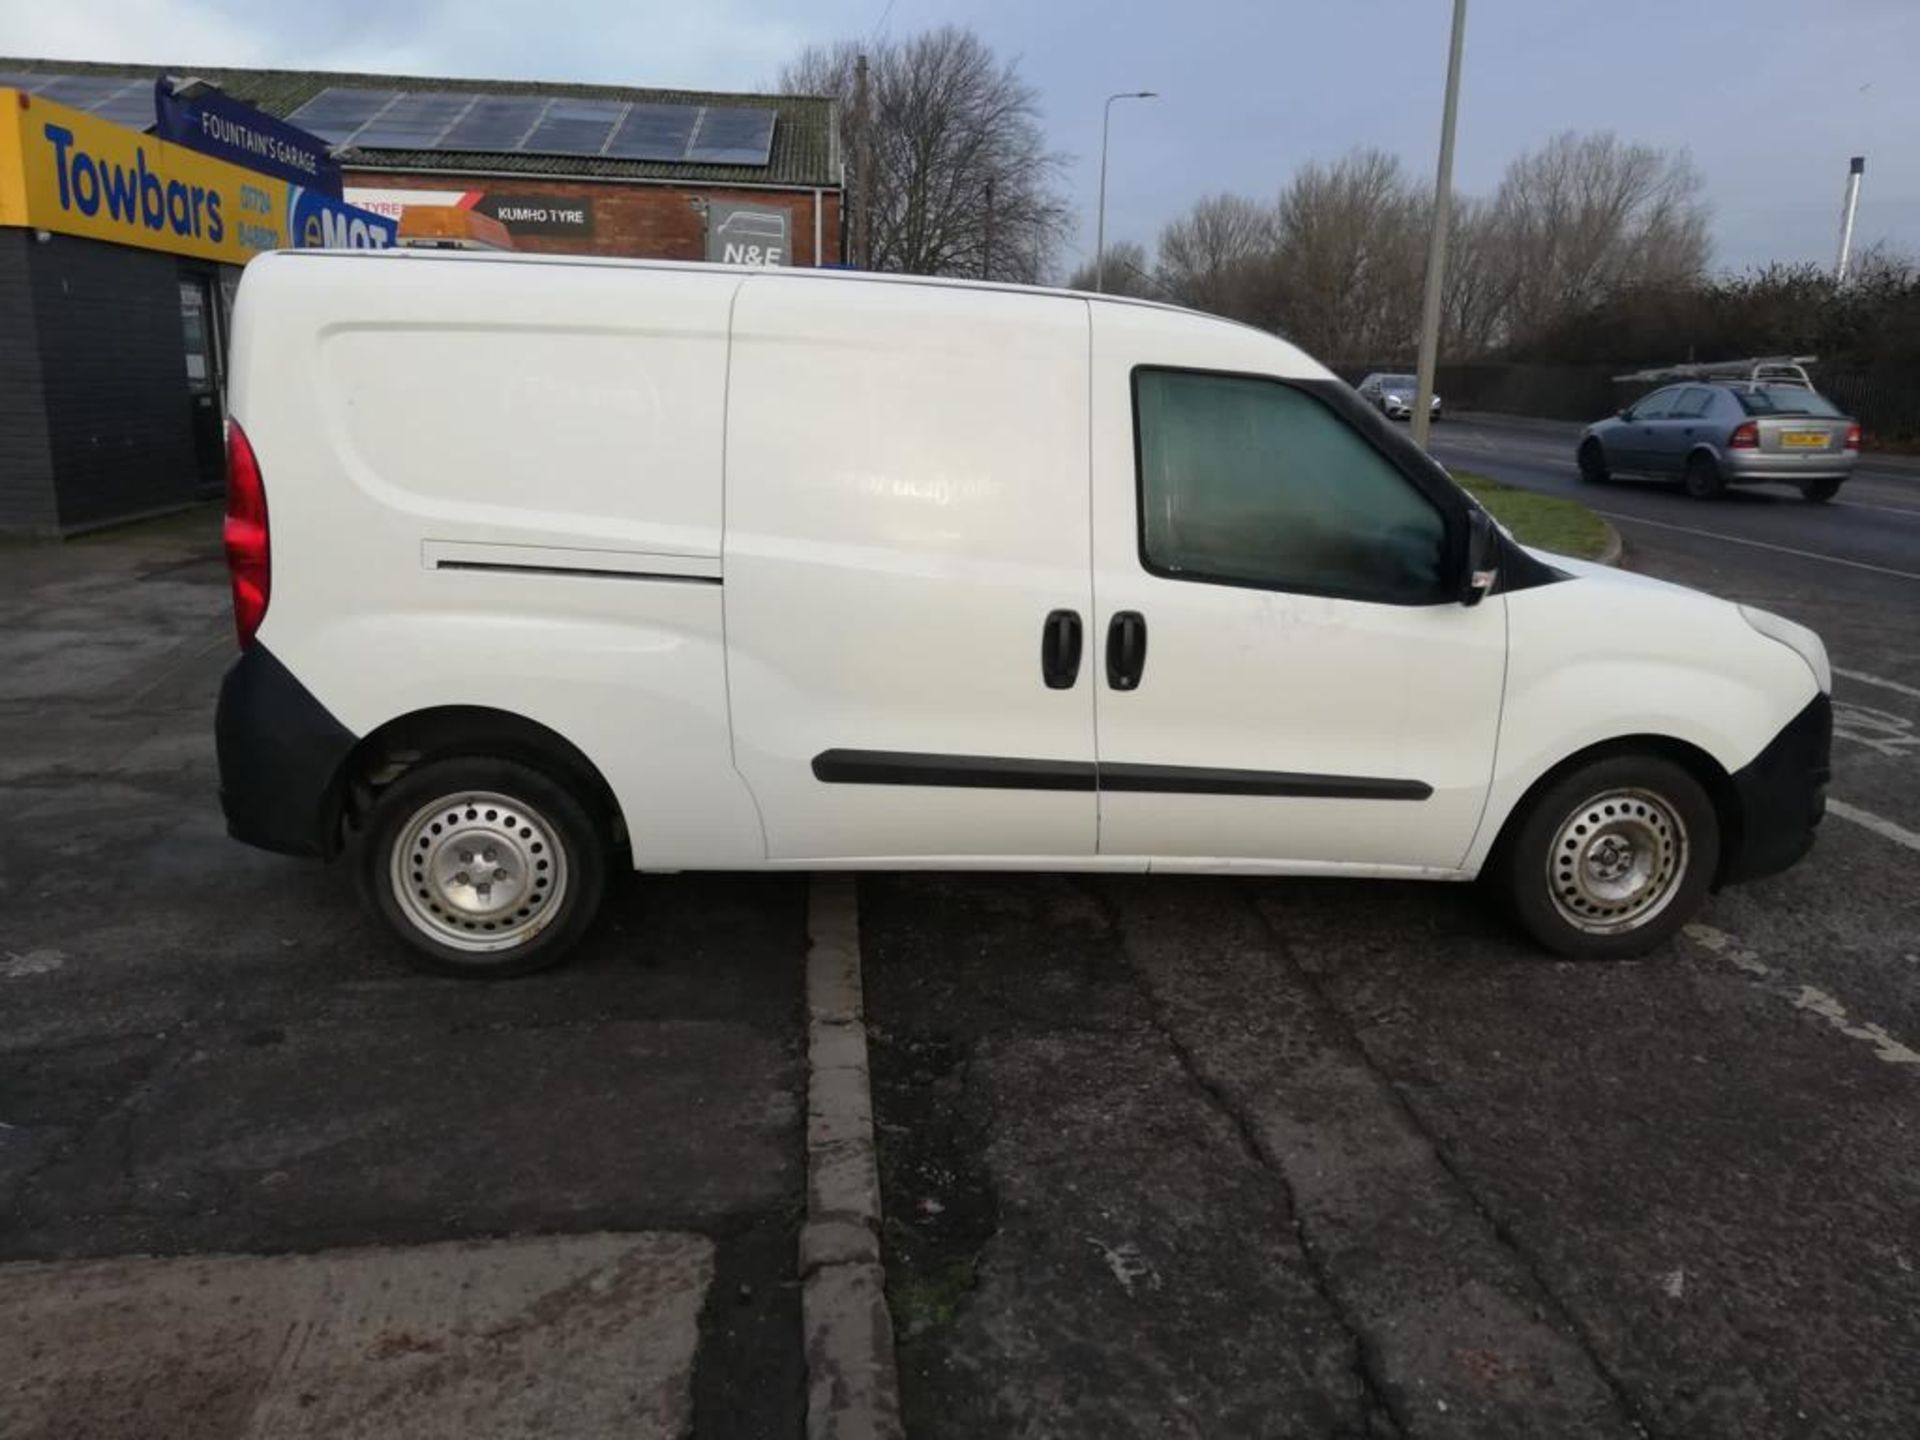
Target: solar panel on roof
point(732, 135)
point(83, 92)
point(336, 113)
point(413, 121)
point(653, 132)
point(539, 125)
point(132, 107)
point(495, 122)
point(575, 127)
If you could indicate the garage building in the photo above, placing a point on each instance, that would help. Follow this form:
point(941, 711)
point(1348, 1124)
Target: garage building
point(111, 383)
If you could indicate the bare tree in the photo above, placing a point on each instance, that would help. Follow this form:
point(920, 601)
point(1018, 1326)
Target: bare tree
point(1587, 216)
point(1348, 258)
point(1204, 256)
point(963, 181)
point(1128, 273)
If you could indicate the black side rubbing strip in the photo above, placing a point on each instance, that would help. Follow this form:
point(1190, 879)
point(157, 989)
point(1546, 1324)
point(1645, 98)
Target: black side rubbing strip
point(493, 568)
point(1206, 780)
point(997, 772)
point(972, 772)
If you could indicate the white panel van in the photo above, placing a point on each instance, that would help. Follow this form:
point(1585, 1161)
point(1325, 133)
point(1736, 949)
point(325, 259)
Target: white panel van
point(543, 566)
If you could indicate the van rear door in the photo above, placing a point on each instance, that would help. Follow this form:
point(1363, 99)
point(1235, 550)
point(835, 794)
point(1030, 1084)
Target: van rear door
point(907, 563)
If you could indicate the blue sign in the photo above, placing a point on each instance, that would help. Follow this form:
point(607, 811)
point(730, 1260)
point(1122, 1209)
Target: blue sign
point(316, 221)
point(216, 124)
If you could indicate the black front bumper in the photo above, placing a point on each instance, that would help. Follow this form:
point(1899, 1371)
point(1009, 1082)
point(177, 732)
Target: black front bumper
point(281, 754)
point(1782, 796)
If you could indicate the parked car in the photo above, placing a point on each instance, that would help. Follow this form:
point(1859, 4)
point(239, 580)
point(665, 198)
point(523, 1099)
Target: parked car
point(545, 566)
point(1393, 395)
point(1757, 422)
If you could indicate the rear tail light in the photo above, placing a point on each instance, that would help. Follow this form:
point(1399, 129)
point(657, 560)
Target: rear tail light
point(1746, 436)
point(1853, 437)
point(249, 555)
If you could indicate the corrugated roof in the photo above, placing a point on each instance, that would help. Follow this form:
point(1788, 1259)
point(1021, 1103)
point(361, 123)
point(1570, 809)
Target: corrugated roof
point(805, 137)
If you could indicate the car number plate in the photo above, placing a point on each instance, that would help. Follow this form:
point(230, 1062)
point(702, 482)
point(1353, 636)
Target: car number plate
point(1804, 439)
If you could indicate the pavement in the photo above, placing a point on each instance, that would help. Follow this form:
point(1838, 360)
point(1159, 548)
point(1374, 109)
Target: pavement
point(1194, 1156)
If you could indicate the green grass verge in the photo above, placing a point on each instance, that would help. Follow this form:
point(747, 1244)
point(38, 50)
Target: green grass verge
point(1549, 522)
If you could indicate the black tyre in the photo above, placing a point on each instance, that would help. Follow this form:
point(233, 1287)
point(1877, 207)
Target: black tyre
point(1820, 491)
point(1593, 463)
point(485, 868)
point(1611, 859)
point(1702, 477)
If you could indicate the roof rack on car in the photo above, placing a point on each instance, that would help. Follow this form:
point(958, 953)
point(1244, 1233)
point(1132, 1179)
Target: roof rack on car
point(1756, 370)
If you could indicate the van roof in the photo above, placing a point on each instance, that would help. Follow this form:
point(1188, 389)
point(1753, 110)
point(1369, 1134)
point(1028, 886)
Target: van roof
point(405, 255)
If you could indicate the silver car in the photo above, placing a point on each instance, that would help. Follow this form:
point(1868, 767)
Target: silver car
point(1393, 395)
point(1715, 433)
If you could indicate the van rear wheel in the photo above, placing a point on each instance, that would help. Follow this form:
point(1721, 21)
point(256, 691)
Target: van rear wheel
point(485, 868)
point(1611, 859)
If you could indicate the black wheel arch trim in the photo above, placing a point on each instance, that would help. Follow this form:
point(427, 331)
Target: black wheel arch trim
point(281, 753)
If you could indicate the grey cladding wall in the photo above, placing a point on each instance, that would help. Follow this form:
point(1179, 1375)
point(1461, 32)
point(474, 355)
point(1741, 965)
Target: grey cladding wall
point(113, 362)
point(26, 468)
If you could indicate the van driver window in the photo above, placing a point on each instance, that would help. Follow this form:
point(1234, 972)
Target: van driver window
point(1250, 482)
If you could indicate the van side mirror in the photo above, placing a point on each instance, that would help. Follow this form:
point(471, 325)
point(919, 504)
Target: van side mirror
point(1482, 570)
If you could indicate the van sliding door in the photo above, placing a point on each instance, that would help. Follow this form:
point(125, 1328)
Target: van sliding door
point(908, 571)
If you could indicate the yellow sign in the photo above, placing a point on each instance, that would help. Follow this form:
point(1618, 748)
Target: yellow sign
point(64, 170)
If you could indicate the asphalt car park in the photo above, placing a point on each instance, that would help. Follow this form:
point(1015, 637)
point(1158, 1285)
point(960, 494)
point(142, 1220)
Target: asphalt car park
point(1186, 1156)
point(209, 1050)
point(1190, 1156)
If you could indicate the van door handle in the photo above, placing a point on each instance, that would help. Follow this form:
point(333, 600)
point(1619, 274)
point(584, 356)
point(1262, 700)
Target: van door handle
point(1126, 649)
point(1060, 649)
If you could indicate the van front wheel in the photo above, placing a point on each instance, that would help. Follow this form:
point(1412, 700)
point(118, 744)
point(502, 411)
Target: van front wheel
point(1611, 859)
point(485, 868)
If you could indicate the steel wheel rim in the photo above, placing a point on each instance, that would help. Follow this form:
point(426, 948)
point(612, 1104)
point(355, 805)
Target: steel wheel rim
point(1616, 861)
point(478, 871)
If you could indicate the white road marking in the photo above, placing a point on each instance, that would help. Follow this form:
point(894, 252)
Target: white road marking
point(1802, 996)
point(1882, 730)
point(1761, 545)
point(34, 962)
point(1886, 829)
point(1866, 679)
point(1835, 1014)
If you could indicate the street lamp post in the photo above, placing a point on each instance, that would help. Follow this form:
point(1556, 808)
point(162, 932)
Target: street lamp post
point(1100, 226)
point(1437, 242)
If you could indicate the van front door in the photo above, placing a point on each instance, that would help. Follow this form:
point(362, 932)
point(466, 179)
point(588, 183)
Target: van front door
point(1283, 677)
point(907, 571)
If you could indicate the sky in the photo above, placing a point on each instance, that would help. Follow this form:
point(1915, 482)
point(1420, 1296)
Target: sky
point(1770, 97)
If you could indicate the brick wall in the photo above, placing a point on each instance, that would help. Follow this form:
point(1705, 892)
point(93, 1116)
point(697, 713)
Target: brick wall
point(653, 222)
point(113, 363)
point(26, 467)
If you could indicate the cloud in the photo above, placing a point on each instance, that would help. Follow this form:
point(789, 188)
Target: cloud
point(717, 44)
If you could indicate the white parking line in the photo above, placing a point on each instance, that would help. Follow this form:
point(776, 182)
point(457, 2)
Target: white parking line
point(1867, 819)
point(1802, 996)
point(1761, 545)
point(1865, 679)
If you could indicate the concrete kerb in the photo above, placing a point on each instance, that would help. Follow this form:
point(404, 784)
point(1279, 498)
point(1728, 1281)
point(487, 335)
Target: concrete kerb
point(853, 1389)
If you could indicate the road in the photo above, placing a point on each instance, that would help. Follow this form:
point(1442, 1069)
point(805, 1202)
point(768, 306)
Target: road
point(1196, 1156)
